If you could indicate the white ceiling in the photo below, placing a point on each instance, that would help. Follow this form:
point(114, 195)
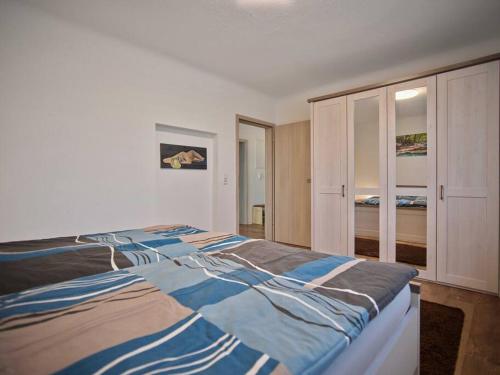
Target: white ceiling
point(281, 47)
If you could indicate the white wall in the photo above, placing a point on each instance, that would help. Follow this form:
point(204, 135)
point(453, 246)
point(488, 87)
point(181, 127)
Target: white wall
point(256, 178)
point(77, 124)
point(78, 111)
point(295, 108)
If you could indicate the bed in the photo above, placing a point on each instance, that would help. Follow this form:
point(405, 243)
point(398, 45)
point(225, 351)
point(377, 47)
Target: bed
point(177, 299)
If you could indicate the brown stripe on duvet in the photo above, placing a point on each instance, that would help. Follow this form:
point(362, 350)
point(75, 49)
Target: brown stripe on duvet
point(28, 273)
point(271, 256)
point(200, 240)
point(22, 246)
point(54, 344)
point(20, 321)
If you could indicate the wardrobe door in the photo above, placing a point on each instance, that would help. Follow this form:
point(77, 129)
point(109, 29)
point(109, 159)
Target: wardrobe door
point(411, 155)
point(329, 166)
point(468, 136)
point(367, 174)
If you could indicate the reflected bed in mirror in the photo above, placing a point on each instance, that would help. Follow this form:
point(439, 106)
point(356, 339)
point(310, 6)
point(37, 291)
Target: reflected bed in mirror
point(411, 216)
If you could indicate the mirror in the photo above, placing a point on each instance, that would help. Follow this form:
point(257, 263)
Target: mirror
point(411, 175)
point(367, 227)
point(411, 138)
point(366, 178)
point(411, 230)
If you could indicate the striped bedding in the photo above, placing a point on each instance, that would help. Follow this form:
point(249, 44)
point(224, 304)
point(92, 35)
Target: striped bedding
point(203, 303)
point(27, 264)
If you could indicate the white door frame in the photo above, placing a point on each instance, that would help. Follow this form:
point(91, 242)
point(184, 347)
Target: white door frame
point(269, 139)
point(243, 189)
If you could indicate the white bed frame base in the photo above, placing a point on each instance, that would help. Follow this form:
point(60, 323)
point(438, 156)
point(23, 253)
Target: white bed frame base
point(401, 354)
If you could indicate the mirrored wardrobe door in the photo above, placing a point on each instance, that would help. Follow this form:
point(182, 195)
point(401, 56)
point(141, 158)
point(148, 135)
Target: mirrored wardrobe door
point(367, 174)
point(411, 155)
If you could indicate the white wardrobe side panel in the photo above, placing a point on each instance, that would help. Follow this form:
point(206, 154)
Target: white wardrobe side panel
point(329, 139)
point(468, 172)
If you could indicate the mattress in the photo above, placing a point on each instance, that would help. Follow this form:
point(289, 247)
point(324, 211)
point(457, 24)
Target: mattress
point(359, 356)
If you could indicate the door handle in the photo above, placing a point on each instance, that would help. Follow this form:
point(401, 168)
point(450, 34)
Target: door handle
point(343, 191)
point(441, 192)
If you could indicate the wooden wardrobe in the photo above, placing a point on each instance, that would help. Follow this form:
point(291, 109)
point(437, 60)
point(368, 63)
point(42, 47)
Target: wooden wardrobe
point(409, 172)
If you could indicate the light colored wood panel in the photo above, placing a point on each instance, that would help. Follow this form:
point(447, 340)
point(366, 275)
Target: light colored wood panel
point(468, 103)
point(282, 178)
point(270, 214)
point(313, 184)
point(467, 145)
point(328, 140)
point(301, 184)
point(467, 258)
point(293, 187)
point(481, 192)
point(330, 217)
point(329, 175)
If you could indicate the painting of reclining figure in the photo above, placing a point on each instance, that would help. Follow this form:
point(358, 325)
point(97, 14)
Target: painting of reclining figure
point(182, 157)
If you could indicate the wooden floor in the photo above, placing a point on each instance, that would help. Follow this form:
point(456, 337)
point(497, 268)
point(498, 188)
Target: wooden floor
point(480, 345)
point(252, 230)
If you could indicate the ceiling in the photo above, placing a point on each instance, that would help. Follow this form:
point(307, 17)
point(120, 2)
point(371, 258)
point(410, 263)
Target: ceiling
point(281, 47)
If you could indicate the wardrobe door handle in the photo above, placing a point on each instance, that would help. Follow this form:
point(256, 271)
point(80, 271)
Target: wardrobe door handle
point(441, 194)
point(343, 191)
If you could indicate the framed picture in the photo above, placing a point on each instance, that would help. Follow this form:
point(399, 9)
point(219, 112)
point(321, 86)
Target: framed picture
point(411, 145)
point(182, 157)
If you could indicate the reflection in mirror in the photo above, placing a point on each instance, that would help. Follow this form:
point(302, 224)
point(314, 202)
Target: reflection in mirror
point(366, 223)
point(411, 137)
point(411, 230)
point(366, 143)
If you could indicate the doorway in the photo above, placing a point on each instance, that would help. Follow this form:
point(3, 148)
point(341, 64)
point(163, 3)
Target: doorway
point(255, 178)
